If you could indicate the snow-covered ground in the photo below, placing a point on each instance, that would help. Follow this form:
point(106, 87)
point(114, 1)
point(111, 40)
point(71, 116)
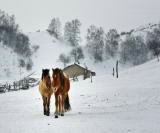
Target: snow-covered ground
point(130, 104)
point(8, 63)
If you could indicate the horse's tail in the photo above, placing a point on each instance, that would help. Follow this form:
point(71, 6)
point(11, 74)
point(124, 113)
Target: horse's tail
point(67, 105)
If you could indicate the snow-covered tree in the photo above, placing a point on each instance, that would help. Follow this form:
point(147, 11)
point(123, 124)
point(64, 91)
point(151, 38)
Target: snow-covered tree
point(111, 42)
point(77, 54)
point(22, 45)
point(133, 50)
point(12, 37)
point(153, 41)
point(29, 64)
point(54, 28)
point(72, 37)
point(21, 63)
point(95, 42)
point(72, 32)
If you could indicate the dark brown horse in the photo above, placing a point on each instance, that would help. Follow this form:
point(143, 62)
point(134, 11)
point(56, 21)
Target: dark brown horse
point(61, 84)
point(46, 90)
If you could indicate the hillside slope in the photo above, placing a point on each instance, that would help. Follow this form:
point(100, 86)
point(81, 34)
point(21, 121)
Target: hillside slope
point(128, 104)
point(9, 69)
point(49, 50)
point(48, 53)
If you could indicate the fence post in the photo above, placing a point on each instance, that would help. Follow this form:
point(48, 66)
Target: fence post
point(117, 68)
point(113, 72)
point(9, 87)
point(91, 77)
point(14, 85)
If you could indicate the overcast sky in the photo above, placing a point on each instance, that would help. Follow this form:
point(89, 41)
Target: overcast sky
point(32, 15)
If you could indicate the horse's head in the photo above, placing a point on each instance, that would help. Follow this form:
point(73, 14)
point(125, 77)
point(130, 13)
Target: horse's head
point(46, 78)
point(58, 78)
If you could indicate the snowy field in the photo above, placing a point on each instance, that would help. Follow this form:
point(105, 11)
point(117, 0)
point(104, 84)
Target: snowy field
point(130, 104)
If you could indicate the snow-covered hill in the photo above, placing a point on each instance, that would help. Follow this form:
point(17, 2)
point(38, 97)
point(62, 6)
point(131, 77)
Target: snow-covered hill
point(128, 104)
point(48, 54)
point(8, 63)
point(141, 29)
point(49, 50)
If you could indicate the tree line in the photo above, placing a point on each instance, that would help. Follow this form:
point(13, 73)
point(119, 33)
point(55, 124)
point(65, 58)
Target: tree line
point(101, 45)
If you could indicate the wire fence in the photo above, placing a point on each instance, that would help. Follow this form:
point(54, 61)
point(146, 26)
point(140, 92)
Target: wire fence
point(22, 84)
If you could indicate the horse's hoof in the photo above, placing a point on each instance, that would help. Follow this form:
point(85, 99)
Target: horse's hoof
point(62, 114)
point(56, 116)
point(47, 113)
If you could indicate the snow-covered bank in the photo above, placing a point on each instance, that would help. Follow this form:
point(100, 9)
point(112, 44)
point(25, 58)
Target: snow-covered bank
point(8, 63)
point(128, 104)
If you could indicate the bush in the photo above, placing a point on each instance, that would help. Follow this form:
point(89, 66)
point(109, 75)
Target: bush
point(22, 63)
point(29, 65)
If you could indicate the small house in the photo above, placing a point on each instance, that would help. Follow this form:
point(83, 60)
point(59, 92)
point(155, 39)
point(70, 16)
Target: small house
point(75, 70)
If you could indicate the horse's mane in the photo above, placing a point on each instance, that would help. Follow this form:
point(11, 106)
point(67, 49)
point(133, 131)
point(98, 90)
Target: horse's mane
point(45, 72)
point(57, 70)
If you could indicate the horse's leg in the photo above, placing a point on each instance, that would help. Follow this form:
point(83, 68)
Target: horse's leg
point(48, 104)
point(62, 105)
point(56, 104)
point(59, 105)
point(44, 104)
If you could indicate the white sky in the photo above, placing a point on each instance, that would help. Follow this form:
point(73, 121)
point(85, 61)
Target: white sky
point(32, 15)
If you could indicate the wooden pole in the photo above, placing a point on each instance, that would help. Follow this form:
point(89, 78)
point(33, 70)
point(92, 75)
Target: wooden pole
point(113, 72)
point(14, 85)
point(91, 77)
point(117, 68)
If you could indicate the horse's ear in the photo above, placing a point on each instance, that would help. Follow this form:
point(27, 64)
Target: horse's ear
point(52, 69)
point(42, 74)
point(61, 71)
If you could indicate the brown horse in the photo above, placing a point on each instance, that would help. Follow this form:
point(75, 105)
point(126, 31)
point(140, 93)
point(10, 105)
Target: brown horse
point(46, 90)
point(61, 84)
